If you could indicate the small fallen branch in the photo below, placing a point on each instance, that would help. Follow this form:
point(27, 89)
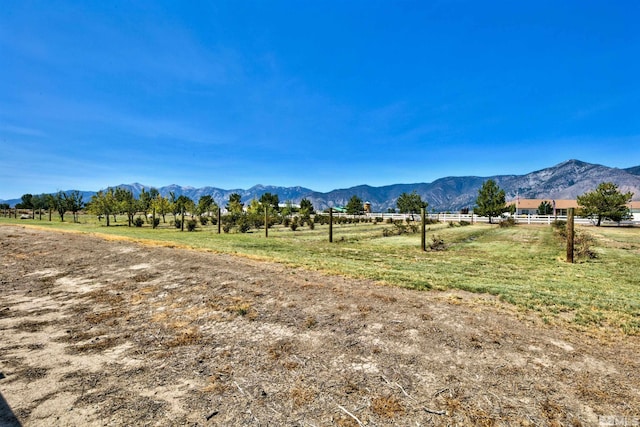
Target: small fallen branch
point(432, 411)
point(351, 415)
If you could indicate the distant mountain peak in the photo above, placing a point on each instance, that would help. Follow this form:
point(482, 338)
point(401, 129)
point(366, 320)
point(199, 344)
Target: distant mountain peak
point(565, 180)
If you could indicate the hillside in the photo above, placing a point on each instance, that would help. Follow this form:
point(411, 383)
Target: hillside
point(566, 180)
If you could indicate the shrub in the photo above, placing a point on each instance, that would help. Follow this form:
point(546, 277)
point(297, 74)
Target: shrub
point(156, 222)
point(178, 224)
point(286, 221)
point(560, 228)
point(138, 222)
point(226, 227)
point(464, 223)
point(582, 245)
point(204, 220)
point(191, 225)
point(243, 224)
point(507, 222)
point(294, 224)
point(437, 243)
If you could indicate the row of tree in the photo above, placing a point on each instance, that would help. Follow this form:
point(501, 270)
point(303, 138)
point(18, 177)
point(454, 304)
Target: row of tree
point(605, 202)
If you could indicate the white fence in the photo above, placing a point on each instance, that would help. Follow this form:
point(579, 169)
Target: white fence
point(472, 218)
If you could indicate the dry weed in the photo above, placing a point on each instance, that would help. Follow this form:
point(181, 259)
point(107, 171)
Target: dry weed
point(387, 406)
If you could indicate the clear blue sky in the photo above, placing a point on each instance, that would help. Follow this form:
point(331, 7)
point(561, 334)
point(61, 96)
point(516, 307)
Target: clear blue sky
point(322, 94)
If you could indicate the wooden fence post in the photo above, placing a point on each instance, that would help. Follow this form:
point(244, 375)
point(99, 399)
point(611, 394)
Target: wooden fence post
point(570, 235)
point(423, 234)
point(266, 221)
point(330, 225)
point(219, 224)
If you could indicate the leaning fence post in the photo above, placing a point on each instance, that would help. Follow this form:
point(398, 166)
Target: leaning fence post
point(570, 235)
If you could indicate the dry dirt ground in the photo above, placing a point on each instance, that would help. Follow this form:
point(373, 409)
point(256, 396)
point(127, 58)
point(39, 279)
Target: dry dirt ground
point(109, 333)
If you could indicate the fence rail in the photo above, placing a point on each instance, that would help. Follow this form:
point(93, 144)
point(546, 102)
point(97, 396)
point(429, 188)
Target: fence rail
point(472, 218)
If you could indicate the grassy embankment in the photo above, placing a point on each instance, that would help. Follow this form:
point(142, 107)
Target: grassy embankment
point(523, 265)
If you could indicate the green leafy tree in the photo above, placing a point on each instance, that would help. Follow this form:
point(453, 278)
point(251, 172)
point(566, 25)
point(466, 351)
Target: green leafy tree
point(355, 206)
point(126, 203)
point(38, 202)
point(26, 202)
point(545, 208)
point(605, 202)
point(235, 205)
point(271, 200)
point(60, 203)
point(74, 203)
point(306, 208)
point(103, 203)
point(50, 204)
point(172, 202)
point(205, 205)
point(144, 201)
point(490, 201)
point(182, 204)
point(411, 203)
point(162, 206)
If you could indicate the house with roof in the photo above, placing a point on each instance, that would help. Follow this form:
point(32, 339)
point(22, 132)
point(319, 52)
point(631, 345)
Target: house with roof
point(560, 206)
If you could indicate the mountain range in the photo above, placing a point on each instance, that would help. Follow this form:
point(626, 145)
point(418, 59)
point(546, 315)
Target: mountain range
point(566, 180)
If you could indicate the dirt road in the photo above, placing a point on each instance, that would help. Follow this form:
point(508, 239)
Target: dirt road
point(102, 332)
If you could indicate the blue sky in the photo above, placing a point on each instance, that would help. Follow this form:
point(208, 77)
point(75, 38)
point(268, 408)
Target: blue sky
point(322, 94)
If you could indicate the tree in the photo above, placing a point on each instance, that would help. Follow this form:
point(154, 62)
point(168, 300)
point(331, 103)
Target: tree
point(355, 206)
point(38, 203)
point(144, 201)
point(235, 205)
point(103, 203)
point(162, 206)
point(411, 203)
point(26, 202)
point(74, 203)
point(306, 207)
point(126, 203)
point(182, 204)
point(545, 208)
point(50, 204)
point(491, 200)
point(271, 200)
point(205, 204)
point(605, 202)
point(60, 204)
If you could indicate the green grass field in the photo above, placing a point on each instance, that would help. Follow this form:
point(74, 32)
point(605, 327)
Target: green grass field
point(523, 265)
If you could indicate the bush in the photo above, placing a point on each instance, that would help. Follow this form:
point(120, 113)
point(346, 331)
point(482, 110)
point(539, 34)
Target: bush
point(286, 221)
point(464, 223)
point(191, 225)
point(311, 225)
point(156, 222)
point(243, 224)
point(226, 227)
point(507, 222)
point(294, 224)
point(582, 245)
point(560, 228)
point(204, 220)
point(138, 222)
point(437, 243)
point(178, 224)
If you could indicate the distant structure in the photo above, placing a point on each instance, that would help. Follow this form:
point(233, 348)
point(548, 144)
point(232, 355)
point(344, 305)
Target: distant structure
point(367, 207)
